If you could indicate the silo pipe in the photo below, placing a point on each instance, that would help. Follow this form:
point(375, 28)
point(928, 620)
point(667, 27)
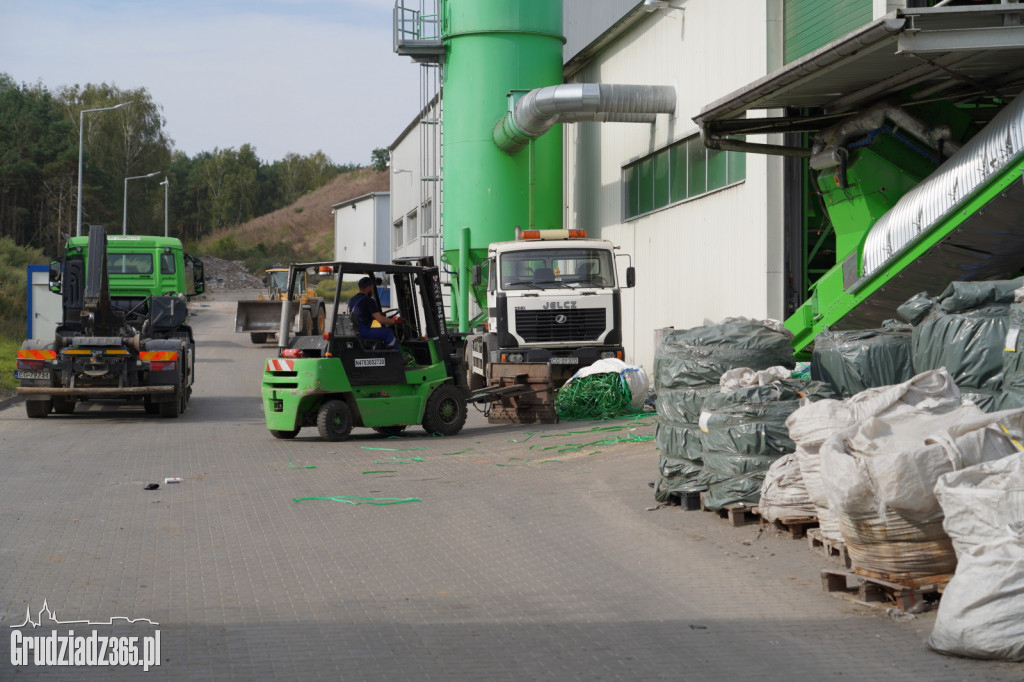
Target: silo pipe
point(538, 110)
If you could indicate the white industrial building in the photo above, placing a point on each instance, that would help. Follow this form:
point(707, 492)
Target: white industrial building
point(362, 229)
point(706, 246)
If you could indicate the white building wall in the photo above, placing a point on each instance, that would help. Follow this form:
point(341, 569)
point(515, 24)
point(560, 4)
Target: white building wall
point(711, 257)
point(361, 232)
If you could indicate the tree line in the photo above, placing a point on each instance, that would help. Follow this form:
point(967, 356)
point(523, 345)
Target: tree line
point(39, 143)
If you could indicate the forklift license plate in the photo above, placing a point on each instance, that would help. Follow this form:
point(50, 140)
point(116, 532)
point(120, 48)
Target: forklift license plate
point(565, 361)
point(32, 374)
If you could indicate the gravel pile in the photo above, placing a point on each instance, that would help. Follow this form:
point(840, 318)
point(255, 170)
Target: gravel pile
point(228, 274)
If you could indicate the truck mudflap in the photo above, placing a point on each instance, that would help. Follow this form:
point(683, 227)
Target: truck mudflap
point(524, 393)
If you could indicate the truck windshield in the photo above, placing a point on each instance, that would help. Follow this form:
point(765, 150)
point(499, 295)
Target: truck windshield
point(130, 263)
point(557, 268)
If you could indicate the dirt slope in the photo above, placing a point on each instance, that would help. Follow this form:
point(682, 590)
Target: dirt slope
point(308, 223)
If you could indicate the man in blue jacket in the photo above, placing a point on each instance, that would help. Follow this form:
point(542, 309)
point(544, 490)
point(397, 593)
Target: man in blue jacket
point(364, 311)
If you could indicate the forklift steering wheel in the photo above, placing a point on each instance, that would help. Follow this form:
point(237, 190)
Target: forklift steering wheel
point(402, 331)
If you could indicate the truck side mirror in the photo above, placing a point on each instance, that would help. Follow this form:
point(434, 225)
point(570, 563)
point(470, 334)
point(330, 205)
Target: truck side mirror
point(630, 277)
point(55, 276)
point(477, 276)
point(198, 276)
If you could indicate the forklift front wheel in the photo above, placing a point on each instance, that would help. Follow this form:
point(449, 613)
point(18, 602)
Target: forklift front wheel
point(445, 412)
point(334, 420)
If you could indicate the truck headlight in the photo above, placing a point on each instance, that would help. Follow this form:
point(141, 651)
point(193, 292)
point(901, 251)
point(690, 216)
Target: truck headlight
point(515, 357)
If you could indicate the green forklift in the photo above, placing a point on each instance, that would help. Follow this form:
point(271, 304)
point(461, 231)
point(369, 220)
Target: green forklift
point(337, 381)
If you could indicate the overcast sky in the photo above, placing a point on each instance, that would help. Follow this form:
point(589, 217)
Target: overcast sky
point(282, 75)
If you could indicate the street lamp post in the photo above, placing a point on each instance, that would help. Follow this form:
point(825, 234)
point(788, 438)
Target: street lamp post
point(81, 139)
point(167, 184)
point(124, 220)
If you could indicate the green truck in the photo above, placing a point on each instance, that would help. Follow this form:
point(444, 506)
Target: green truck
point(124, 333)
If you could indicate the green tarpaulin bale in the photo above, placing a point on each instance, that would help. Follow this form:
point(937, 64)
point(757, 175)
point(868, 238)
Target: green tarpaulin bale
point(852, 361)
point(698, 357)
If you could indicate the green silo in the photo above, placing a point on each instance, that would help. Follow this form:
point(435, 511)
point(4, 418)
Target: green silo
point(492, 48)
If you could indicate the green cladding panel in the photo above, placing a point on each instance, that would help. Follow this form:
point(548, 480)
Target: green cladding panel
point(492, 48)
point(809, 24)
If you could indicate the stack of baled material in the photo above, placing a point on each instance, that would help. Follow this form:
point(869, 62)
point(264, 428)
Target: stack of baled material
point(964, 329)
point(687, 367)
point(880, 475)
point(743, 432)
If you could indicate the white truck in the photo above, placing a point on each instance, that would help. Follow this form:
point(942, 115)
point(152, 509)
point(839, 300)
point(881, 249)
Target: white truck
point(553, 306)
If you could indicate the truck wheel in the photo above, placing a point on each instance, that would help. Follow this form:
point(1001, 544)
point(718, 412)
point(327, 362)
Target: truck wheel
point(258, 337)
point(170, 409)
point(149, 406)
point(284, 435)
point(63, 405)
point(334, 420)
point(395, 430)
point(37, 409)
point(445, 413)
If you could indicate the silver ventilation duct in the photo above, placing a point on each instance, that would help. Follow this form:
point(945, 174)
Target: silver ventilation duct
point(535, 112)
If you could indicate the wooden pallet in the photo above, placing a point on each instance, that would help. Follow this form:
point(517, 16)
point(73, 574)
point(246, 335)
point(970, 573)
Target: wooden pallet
point(833, 550)
point(735, 514)
point(796, 527)
point(877, 592)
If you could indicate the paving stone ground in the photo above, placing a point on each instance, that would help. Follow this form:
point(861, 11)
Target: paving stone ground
point(525, 558)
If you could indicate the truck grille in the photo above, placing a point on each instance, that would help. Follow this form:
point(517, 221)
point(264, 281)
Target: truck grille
point(540, 326)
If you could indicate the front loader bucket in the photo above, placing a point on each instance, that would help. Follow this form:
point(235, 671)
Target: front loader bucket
point(258, 316)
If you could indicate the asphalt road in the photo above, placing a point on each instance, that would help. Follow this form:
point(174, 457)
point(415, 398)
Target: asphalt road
point(522, 553)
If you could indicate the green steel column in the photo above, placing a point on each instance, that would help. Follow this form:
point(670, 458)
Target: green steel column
point(490, 49)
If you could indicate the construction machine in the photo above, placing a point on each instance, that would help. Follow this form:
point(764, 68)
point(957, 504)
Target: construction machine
point(259, 318)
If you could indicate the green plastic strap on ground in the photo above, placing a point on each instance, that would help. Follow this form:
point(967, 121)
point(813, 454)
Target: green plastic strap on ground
point(460, 452)
point(352, 499)
point(529, 435)
point(299, 466)
point(400, 460)
point(382, 471)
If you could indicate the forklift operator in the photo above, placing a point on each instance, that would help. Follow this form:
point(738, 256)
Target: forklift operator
point(364, 310)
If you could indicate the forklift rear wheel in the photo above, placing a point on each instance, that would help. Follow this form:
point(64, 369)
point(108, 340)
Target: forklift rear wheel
point(37, 409)
point(390, 430)
point(284, 435)
point(306, 323)
point(334, 420)
point(63, 405)
point(445, 412)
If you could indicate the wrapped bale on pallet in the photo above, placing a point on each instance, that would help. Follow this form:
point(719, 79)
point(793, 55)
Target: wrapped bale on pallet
point(964, 330)
point(783, 493)
point(812, 424)
point(880, 477)
point(852, 361)
point(980, 612)
point(1013, 356)
point(687, 367)
point(743, 432)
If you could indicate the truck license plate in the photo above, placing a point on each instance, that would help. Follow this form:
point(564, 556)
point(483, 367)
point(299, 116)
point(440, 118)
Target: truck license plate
point(565, 361)
point(32, 374)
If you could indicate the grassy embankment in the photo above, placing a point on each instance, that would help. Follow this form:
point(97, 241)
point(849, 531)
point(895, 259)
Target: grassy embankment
point(13, 302)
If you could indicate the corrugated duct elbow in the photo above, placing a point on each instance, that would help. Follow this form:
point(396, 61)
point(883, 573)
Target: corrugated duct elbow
point(536, 111)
